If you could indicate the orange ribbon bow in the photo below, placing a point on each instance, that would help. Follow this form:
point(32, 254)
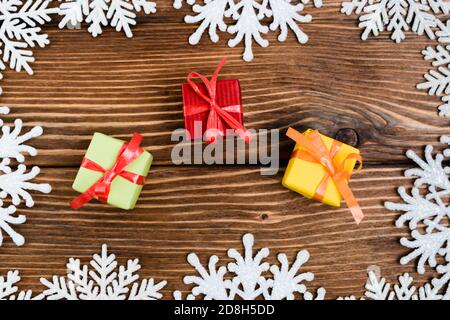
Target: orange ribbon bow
point(313, 149)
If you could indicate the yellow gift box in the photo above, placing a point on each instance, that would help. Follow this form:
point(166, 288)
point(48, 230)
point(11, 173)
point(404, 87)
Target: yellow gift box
point(320, 168)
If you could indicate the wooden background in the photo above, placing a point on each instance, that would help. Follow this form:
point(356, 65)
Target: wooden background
point(336, 83)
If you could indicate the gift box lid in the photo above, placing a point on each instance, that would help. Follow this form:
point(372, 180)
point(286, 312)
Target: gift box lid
point(104, 149)
point(228, 93)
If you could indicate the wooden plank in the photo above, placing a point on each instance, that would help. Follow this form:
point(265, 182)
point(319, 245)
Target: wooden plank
point(117, 85)
point(207, 210)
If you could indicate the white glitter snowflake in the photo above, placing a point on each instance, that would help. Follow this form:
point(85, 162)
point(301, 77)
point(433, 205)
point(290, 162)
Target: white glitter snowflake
point(379, 289)
point(15, 184)
point(437, 81)
point(249, 279)
point(249, 22)
point(397, 16)
point(104, 282)
point(119, 14)
point(20, 30)
point(426, 212)
point(9, 289)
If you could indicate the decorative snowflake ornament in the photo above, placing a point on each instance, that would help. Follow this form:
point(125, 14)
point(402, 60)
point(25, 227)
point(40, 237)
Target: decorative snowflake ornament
point(248, 277)
point(20, 30)
point(437, 81)
point(378, 289)
point(8, 288)
point(248, 18)
point(397, 16)
point(426, 212)
point(119, 14)
point(15, 184)
point(104, 282)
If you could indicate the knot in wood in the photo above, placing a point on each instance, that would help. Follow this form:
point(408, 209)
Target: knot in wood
point(348, 136)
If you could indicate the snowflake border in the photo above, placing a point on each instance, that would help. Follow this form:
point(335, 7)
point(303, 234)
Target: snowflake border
point(119, 14)
point(396, 16)
point(425, 216)
point(10, 291)
point(104, 282)
point(20, 30)
point(248, 18)
point(249, 280)
point(16, 183)
point(377, 288)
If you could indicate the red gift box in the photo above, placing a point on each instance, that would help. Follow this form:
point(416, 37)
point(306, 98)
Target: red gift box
point(216, 104)
point(195, 108)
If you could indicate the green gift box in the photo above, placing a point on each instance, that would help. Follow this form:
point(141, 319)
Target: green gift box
point(104, 151)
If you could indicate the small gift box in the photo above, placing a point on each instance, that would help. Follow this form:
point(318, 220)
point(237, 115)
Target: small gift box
point(320, 169)
point(112, 171)
point(213, 106)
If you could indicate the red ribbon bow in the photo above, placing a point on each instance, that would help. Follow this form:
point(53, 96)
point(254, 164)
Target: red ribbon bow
point(100, 189)
point(216, 113)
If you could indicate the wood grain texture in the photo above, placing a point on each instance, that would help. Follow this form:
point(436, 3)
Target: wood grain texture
point(335, 81)
point(180, 213)
point(117, 85)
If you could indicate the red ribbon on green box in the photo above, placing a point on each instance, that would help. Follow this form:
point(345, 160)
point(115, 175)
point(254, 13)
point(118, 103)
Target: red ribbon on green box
point(100, 189)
